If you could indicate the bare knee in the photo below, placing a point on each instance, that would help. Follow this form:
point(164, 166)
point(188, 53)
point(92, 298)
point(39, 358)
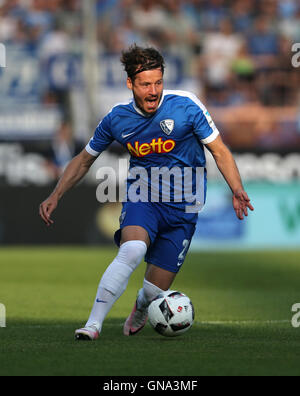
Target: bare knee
point(134, 233)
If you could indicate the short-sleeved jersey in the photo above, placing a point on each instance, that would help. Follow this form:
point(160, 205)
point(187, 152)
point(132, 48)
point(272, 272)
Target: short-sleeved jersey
point(164, 144)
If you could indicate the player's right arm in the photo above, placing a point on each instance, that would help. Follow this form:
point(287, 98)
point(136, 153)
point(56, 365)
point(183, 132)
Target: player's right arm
point(78, 167)
point(74, 172)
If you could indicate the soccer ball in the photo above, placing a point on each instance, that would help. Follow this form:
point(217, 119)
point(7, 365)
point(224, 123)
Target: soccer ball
point(171, 313)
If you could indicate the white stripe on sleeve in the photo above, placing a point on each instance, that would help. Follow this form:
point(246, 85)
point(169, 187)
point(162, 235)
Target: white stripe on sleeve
point(211, 138)
point(91, 151)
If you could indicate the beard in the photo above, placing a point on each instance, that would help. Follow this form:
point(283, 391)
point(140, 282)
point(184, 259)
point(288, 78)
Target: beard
point(149, 104)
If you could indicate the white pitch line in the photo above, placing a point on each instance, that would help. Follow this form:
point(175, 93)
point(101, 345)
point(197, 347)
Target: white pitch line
point(237, 322)
point(214, 323)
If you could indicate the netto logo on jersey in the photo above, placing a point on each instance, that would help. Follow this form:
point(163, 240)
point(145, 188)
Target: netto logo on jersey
point(157, 146)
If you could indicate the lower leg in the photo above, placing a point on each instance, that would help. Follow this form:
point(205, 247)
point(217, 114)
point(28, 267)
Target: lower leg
point(115, 280)
point(156, 281)
point(159, 277)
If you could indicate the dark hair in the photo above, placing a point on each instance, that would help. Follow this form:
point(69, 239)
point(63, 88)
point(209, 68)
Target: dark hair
point(137, 59)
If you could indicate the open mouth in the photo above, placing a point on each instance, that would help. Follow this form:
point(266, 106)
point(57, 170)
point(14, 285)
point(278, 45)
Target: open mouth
point(151, 102)
point(151, 99)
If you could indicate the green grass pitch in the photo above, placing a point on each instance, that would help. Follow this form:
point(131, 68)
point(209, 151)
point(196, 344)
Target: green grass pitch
point(242, 301)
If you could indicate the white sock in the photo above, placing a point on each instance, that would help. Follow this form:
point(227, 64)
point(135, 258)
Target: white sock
point(115, 279)
point(147, 294)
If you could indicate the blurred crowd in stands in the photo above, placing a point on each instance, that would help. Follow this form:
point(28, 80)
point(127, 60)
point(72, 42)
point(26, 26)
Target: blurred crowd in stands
point(239, 50)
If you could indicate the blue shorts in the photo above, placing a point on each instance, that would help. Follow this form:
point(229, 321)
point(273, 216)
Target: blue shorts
point(170, 231)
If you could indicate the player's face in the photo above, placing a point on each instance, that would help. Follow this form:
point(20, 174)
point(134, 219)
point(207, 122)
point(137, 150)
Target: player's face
point(147, 89)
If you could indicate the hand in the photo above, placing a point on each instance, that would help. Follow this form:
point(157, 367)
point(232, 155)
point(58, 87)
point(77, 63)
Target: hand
point(46, 209)
point(241, 203)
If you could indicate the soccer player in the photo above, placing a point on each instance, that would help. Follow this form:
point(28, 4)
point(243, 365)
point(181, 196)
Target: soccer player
point(164, 132)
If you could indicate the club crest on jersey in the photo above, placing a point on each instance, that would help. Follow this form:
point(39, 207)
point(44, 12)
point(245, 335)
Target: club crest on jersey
point(167, 126)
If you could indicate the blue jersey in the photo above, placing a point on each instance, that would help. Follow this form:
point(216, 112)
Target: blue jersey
point(173, 138)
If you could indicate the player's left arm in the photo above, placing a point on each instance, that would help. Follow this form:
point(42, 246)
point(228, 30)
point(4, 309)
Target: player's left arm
point(227, 166)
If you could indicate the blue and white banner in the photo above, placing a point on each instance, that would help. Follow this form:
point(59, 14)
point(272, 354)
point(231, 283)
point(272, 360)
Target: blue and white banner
point(31, 122)
point(66, 71)
point(21, 79)
point(275, 223)
point(27, 78)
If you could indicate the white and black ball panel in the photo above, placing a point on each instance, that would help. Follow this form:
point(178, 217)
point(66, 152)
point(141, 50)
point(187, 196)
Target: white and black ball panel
point(171, 313)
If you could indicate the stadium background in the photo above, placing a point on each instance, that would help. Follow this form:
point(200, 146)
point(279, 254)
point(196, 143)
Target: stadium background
point(63, 74)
